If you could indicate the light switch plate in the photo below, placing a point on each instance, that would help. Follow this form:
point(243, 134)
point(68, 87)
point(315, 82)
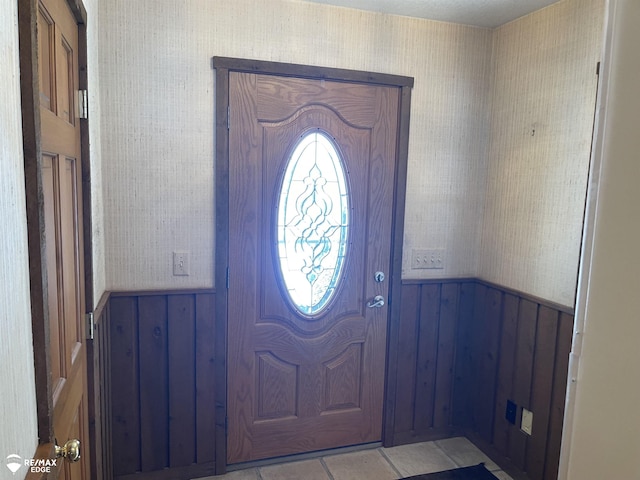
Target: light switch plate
point(180, 263)
point(431, 258)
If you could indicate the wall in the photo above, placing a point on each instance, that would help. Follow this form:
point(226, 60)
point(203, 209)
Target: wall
point(602, 438)
point(500, 186)
point(157, 121)
point(544, 85)
point(17, 392)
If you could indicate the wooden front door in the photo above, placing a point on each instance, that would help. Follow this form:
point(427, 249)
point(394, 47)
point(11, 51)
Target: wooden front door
point(306, 362)
point(57, 34)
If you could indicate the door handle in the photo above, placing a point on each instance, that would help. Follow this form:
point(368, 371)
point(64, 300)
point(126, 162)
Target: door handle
point(378, 302)
point(70, 451)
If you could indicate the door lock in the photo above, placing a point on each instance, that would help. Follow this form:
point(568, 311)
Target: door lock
point(379, 277)
point(70, 451)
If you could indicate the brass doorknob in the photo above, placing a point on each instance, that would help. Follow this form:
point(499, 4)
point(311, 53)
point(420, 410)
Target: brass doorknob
point(70, 450)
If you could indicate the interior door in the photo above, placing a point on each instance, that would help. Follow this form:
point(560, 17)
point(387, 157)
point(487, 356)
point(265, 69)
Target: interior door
point(309, 257)
point(62, 196)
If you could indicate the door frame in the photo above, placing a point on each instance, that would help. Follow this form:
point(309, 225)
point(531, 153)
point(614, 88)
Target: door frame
point(32, 147)
point(223, 66)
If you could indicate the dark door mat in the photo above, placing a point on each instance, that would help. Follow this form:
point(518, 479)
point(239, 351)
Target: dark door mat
point(477, 472)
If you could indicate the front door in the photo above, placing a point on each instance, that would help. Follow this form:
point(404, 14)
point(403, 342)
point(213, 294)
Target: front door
point(57, 33)
point(311, 194)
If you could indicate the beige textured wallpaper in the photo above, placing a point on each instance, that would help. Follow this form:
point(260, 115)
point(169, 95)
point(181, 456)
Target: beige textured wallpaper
point(503, 202)
point(157, 99)
point(544, 86)
point(17, 392)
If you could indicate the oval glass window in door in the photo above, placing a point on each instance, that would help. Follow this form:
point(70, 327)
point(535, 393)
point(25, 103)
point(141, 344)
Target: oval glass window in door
point(313, 223)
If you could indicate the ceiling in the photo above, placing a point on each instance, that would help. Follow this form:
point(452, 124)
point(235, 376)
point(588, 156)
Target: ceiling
point(481, 13)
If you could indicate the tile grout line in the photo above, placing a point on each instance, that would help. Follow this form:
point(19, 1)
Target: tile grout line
point(384, 455)
point(485, 460)
point(447, 455)
point(326, 468)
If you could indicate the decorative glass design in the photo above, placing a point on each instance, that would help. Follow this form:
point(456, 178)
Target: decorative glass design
point(313, 222)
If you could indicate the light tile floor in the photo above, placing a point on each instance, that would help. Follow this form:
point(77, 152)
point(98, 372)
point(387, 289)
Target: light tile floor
point(375, 464)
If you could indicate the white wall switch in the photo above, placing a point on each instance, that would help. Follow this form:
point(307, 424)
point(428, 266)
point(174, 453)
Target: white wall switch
point(432, 258)
point(527, 421)
point(180, 263)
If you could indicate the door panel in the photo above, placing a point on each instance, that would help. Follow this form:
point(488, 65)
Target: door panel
point(300, 382)
point(62, 194)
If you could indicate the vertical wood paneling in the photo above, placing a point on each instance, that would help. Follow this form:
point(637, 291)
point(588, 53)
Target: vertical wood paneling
point(154, 398)
point(446, 354)
point(541, 388)
point(504, 392)
point(427, 335)
point(464, 374)
point(464, 348)
point(531, 340)
point(487, 326)
point(104, 333)
point(477, 332)
point(429, 367)
point(406, 380)
point(205, 378)
point(163, 384)
point(526, 338)
point(182, 403)
point(99, 355)
point(125, 387)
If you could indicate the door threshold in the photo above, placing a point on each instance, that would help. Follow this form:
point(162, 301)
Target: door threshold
point(303, 456)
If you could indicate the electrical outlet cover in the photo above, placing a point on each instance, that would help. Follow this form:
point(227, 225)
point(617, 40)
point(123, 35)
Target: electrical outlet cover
point(527, 421)
point(511, 412)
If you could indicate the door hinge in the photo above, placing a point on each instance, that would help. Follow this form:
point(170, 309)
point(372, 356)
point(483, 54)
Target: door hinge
point(228, 117)
point(227, 278)
point(90, 325)
point(83, 104)
point(226, 426)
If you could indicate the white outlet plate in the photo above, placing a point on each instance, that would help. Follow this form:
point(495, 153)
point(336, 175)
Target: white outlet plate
point(527, 421)
point(180, 263)
point(428, 258)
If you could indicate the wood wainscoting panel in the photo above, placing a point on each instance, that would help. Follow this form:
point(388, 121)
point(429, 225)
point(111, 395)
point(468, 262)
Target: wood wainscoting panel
point(99, 374)
point(427, 356)
point(513, 347)
point(486, 328)
point(464, 372)
point(125, 385)
point(462, 349)
point(162, 384)
point(153, 369)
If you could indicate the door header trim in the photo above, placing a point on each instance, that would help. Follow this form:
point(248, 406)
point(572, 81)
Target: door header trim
point(307, 71)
